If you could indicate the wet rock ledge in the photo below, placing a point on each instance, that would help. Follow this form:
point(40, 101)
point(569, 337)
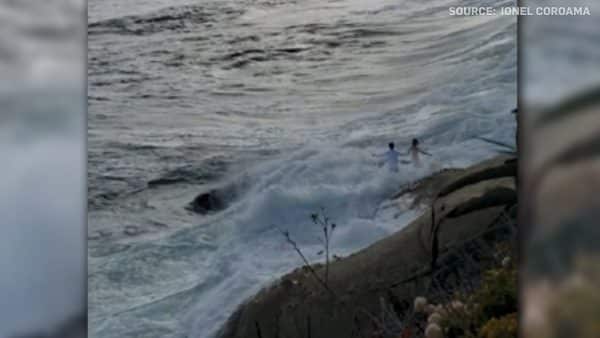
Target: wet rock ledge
point(464, 203)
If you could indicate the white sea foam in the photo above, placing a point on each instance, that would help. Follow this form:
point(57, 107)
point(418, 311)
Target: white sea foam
point(446, 81)
point(199, 275)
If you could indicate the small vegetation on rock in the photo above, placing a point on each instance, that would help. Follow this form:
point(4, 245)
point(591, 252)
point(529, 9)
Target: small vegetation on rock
point(478, 305)
point(504, 327)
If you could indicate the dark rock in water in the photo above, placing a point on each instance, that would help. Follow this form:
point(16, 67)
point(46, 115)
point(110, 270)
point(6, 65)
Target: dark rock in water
point(220, 198)
point(208, 202)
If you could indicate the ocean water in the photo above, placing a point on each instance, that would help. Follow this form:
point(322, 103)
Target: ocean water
point(568, 45)
point(284, 103)
point(42, 181)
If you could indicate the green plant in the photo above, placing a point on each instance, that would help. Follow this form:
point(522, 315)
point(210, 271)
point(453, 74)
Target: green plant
point(494, 299)
point(497, 295)
point(503, 327)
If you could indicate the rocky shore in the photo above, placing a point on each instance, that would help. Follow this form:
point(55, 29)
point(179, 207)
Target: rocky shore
point(469, 211)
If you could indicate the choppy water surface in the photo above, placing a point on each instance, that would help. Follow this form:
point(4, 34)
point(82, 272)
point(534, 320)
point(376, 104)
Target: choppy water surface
point(283, 102)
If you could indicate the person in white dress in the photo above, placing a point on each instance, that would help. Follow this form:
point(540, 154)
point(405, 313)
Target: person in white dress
point(414, 152)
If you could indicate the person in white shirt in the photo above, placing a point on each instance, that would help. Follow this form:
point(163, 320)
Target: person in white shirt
point(391, 158)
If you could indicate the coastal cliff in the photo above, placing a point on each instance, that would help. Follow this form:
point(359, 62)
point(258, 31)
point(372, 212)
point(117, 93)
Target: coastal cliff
point(469, 212)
